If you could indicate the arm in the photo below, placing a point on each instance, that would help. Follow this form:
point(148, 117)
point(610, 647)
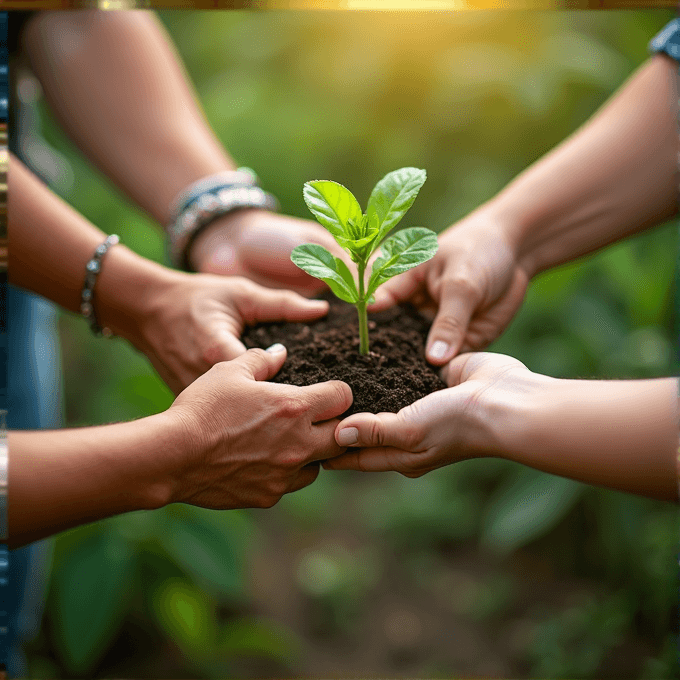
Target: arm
point(617, 434)
point(615, 176)
point(230, 440)
point(119, 89)
point(184, 323)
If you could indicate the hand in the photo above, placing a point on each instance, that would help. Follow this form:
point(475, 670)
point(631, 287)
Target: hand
point(192, 321)
point(257, 244)
point(249, 442)
point(444, 427)
point(474, 283)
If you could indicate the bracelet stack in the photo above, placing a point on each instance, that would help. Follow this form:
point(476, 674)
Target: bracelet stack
point(93, 268)
point(206, 200)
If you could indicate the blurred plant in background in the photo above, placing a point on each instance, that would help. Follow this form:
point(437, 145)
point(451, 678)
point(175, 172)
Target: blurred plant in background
point(481, 568)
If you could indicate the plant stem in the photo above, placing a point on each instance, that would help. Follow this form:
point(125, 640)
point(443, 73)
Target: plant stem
point(361, 310)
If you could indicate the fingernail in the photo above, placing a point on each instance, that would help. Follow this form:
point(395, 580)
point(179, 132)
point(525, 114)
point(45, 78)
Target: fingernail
point(438, 350)
point(348, 436)
point(276, 348)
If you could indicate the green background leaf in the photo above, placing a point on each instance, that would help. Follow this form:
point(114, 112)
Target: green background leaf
point(526, 507)
point(91, 598)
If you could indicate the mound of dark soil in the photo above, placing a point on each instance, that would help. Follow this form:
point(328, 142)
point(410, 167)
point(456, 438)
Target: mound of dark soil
point(393, 375)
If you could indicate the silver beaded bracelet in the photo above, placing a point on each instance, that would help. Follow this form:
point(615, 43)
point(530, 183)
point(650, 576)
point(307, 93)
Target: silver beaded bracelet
point(205, 201)
point(93, 268)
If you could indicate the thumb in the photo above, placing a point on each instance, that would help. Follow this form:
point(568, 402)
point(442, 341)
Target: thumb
point(370, 430)
point(457, 303)
point(398, 289)
point(275, 305)
point(260, 364)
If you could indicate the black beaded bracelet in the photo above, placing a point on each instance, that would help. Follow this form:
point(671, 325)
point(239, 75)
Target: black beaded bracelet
point(93, 268)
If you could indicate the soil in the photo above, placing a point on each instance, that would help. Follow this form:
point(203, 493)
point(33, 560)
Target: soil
point(394, 374)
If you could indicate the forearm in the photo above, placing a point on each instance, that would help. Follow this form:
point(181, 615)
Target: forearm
point(617, 434)
point(615, 176)
point(64, 478)
point(118, 88)
point(52, 243)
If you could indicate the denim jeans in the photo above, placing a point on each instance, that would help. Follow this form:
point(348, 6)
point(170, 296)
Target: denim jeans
point(33, 401)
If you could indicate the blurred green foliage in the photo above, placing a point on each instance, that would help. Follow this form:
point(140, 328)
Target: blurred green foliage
point(473, 97)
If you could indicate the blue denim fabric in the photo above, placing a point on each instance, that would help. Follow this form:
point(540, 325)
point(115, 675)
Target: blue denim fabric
point(667, 40)
point(33, 401)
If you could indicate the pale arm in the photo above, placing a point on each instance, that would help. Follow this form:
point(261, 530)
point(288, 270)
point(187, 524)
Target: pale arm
point(618, 434)
point(615, 176)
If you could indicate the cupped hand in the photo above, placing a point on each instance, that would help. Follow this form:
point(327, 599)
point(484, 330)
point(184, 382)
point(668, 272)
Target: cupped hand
point(257, 244)
point(195, 320)
point(475, 285)
point(247, 442)
point(457, 423)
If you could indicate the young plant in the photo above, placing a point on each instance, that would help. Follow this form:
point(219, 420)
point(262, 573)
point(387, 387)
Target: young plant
point(361, 234)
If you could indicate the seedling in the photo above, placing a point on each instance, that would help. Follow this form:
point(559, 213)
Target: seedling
point(336, 209)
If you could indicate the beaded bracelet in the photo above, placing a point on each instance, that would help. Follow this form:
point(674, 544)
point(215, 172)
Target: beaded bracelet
point(205, 201)
point(93, 268)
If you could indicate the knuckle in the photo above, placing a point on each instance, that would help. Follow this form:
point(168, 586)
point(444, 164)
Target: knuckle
point(448, 324)
point(376, 432)
point(462, 286)
point(291, 407)
point(341, 393)
point(411, 436)
point(258, 353)
point(212, 354)
point(268, 501)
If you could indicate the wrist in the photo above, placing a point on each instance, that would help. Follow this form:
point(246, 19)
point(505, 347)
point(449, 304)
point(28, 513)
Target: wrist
point(128, 291)
point(165, 471)
point(515, 418)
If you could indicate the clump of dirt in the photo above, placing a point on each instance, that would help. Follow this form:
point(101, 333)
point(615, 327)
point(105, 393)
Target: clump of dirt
point(393, 375)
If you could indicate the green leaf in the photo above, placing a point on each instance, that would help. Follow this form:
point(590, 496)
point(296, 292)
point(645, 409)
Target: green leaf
point(186, 615)
point(529, 506)
point(205, 553)
point(320, 264)
point(403, 251)
point(258, 638)
point(392, 196)
point(91, 590)
point(334, 207)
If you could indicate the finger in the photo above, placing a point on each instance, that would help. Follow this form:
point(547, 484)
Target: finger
point(381, 429)
point(328, 399)
point(396, 290)
point(458, 370)
point(276, 305)
point(262, 364)
point(323, 446)
point(376, 459)
point(305, 477)
point(224, 346)
point(457, 302)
